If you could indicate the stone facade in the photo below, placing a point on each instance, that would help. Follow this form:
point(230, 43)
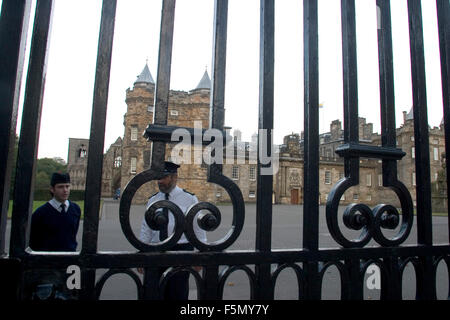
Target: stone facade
point(132, 154)
point(186, 109)
point(77, 162)
point(112, 169)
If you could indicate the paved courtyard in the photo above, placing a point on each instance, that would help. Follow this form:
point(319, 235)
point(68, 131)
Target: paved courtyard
point(286, 234)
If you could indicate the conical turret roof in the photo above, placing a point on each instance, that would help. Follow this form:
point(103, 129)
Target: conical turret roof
point(410, 115)
point(205, 82)
point(145, 76)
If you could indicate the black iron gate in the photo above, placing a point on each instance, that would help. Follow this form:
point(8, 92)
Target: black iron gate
point(309, 263)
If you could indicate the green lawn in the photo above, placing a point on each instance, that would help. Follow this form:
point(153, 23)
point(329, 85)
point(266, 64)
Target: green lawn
point(37, 204)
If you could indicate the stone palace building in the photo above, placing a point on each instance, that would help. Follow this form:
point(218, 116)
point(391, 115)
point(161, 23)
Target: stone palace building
point(131, 154)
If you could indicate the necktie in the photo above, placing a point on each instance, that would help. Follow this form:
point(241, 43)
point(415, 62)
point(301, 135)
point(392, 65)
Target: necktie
point(163, 233)
point(63, 208)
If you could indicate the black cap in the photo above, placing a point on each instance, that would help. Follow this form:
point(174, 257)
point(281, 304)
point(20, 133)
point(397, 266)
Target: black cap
point(59, 178)
point(170, 168)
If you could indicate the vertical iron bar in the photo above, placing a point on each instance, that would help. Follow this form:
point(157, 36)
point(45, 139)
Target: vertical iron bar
point(151, 284)
point(351, 123)
point(421, 139)
point(385, 58)
point(98, 121)
point(163, 80)
point(311, 101)
point(443, 11)
point(217, 109)
point(425, 287)
point(311, 123)
point(97, 141)
point(355, 287)
point(387, 97)
point(29, 134)
point(14, 20)
point(266, 103)
point(391, 289)
point(350, 80)
point(211, 281)
point(217, 116)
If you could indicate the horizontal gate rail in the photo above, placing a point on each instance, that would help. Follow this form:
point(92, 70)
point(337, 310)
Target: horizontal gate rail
point(116, 259)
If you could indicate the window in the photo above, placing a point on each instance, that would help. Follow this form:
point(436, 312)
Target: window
point(252, 194)
point(235, 173)
point(380, 180)
point(150, 108)
point(133, 165)
point(82, 153)
point(327, 177)
point(134, 133)
point(218, 194)
point(369, 197)
point(118, 162)
point(341, 175)
point(436, 154)
point(355, 196)
point(413, 179)
point(252, 173)
point(343, 197)
point(173, 112)
point(413, 152)
point(369, 180)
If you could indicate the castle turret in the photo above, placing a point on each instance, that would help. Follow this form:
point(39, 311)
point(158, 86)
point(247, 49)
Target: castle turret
point(145, 77)
point(205, 82)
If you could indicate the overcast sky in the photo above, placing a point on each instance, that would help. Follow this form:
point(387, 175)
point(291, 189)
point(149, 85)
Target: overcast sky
point(71, 65)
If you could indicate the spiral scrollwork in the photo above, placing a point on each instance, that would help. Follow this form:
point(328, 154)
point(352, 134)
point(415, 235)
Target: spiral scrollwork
point(358, 216)
point(154, 220)
point(205, 214)
point(210, 217)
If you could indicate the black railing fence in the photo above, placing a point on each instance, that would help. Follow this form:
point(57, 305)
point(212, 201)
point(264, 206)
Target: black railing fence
point(310, 262)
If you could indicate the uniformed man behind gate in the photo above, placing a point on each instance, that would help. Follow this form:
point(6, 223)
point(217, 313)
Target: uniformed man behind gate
point(177, 287)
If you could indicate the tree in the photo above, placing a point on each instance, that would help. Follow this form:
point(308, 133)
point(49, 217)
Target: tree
point(44, 171)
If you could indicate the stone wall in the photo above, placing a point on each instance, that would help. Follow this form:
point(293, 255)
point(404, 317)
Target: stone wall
point(186, 109)
point(77, 162)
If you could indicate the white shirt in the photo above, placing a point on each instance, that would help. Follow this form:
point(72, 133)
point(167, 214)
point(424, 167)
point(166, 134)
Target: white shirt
point(183, 200)
point(57, 205)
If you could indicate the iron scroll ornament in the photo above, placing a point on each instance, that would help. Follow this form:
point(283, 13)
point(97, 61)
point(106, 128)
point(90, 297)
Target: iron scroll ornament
point(209, 219)
point(358, 216)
